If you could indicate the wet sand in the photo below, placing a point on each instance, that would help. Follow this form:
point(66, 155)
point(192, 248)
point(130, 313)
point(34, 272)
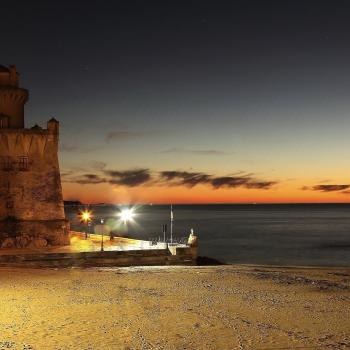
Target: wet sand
point(223, 307)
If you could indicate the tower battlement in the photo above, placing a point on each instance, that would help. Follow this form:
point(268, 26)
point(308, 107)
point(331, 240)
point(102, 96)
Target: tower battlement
point(31, 202)
point(28, 142)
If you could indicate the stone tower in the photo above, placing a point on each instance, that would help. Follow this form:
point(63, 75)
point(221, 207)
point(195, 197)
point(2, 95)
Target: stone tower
point(31, 203)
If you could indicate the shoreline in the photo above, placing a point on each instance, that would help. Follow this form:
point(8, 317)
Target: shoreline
point(219, 264)
point(292, 267)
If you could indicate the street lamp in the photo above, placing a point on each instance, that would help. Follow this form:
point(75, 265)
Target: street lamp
point(126, 215)
point(85, 218)
point(102, 221)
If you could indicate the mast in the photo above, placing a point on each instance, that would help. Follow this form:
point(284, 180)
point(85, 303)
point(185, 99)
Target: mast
point(171, 223)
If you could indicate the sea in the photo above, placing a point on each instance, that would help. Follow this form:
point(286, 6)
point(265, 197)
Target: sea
point(269, 234)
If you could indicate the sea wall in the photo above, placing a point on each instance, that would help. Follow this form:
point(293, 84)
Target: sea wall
point(151, 257)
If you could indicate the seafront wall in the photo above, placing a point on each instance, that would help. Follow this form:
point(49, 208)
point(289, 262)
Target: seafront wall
point(151, 257)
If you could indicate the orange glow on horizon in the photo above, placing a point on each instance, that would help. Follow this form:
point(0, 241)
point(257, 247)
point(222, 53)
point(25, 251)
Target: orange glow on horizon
point(289, 193)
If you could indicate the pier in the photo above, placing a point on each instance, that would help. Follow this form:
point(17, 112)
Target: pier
point(87, 252)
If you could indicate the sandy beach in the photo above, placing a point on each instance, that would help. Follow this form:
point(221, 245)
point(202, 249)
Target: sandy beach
point(219, 307)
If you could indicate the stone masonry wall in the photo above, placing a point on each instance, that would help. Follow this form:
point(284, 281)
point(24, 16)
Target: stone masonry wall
point(31, 202)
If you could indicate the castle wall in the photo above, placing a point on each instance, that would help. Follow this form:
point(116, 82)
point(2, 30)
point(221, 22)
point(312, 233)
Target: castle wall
point(30, 186)
point(31, 202)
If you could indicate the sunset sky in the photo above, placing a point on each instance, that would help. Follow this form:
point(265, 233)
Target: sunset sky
point(190, 101)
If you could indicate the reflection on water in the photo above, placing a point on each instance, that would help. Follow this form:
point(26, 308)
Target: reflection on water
point(299, 234)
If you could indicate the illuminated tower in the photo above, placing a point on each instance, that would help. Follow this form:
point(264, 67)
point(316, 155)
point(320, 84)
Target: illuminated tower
point(12, 99)
point(31, 203)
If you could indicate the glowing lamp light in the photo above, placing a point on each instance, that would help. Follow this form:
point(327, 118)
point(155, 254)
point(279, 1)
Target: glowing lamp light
point(126, 215)
point(85, 216)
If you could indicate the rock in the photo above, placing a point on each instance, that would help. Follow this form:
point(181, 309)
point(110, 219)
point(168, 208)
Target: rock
point(8, 243)
point(22, 241)
point(38, 243)
point(59, 239)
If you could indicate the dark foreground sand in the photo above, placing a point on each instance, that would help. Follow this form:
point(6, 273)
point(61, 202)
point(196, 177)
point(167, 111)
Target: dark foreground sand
point(225, 307)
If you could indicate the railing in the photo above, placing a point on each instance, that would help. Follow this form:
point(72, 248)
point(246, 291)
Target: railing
point(174, 241)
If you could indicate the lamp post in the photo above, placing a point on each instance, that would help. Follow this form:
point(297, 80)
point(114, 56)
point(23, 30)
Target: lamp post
point(171, 224)
point(89, 228)
point(85, 218)
point(102, 221)
point(164, 232)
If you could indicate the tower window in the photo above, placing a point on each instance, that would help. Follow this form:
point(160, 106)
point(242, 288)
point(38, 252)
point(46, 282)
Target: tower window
point(6, 163)
point(3, 122)
point(23, 163)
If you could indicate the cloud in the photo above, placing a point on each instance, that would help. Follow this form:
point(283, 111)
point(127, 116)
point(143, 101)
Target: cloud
point(260, 185)
point(144, 176)
point(204, 152)
point(241, 181)
point(192, 179)
point(326, 188)
point(178, 178)
point(130, 178)
point(65, 147)
point(122, 135)
point(89, 179)
point(229, 181)
point(66, 174)
point(97, 165)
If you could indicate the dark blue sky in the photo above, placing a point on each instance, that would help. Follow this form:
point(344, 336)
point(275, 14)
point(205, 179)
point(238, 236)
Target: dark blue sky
point(254, 85)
